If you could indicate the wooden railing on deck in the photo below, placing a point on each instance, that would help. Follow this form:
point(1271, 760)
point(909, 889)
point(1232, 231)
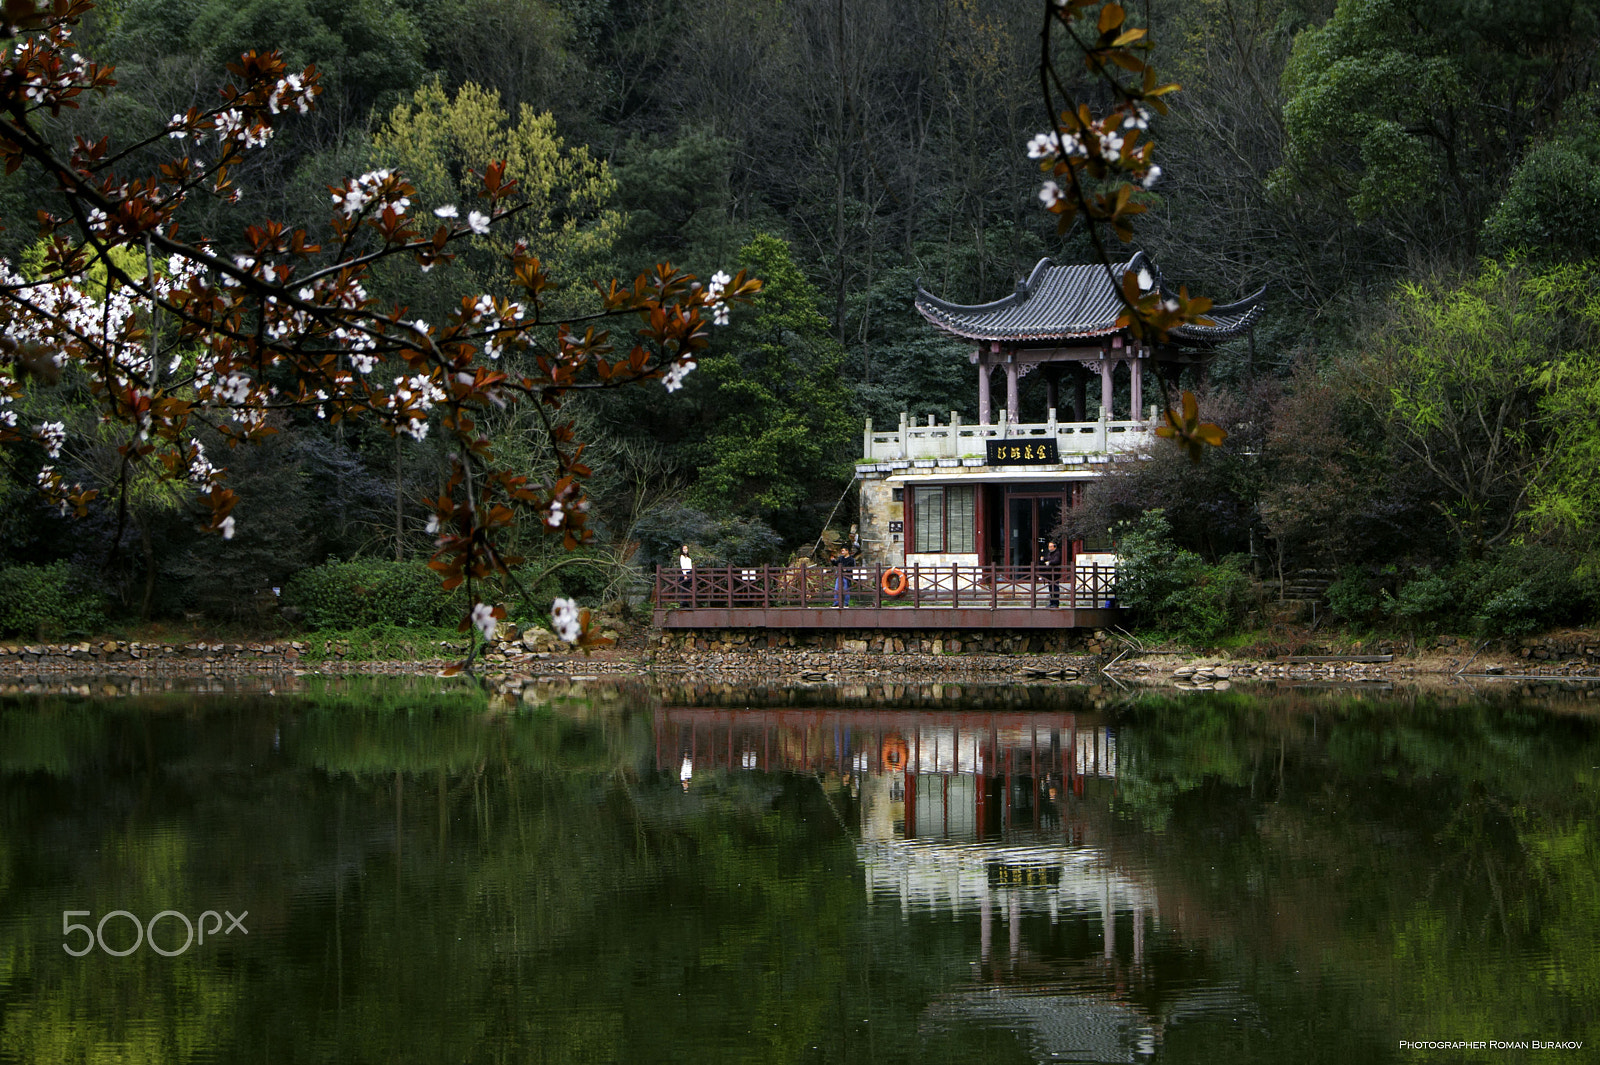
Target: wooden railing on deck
point(971, 587)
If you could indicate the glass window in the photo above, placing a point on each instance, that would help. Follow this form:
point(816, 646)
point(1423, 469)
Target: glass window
point(927, 507)
point(960, 509)
point(944, 519)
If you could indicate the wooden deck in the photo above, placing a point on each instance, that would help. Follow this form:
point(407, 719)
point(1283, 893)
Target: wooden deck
point(941, 597)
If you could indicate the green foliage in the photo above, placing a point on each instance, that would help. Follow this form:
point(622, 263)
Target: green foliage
point(370, 49)
point(1527, 588)
point(95, 276)
point(903, 366)
point(1482, 384)
point(1514, 591)
point(1355, 596)
point(440, 140)
point(48, 601)
point(675, 195)
point(383, 642)
point(1166, 585)
point(1214, 602)
point(738, 541)
point(1427, 597)
point(1387, 114)
point(349, 595)
point(1149, 564)
point(1552, 208)
point(782, 431)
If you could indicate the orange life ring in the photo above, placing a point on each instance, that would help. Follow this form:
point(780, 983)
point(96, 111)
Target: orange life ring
point(893, 583)
point(894, 754)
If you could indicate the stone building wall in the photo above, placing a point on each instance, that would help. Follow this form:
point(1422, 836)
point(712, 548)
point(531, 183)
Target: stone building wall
point(878, 511)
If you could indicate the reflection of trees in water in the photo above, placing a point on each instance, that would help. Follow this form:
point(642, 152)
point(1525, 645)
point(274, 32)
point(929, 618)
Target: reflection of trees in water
point(424, 884)
point(1431, 858)
point(436, 880)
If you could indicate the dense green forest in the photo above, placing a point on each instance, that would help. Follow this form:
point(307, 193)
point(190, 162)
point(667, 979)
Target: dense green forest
point(1416, 185)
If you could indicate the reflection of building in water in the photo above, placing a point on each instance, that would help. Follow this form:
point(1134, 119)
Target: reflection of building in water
point(1014, 879)
point(983, 819)
point(968, 775)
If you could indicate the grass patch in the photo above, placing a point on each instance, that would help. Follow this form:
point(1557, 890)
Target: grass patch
point(383, 643)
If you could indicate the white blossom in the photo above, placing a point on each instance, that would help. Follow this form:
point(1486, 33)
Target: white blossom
point(478, 222)
point(361, 191)
point(484, 621)
point(719, 306)
point(564, 616)
point(52, 435)
point(1050, 193)
point(227, 527)
point(674, 378)
point(1044, 145)
point(447, 211)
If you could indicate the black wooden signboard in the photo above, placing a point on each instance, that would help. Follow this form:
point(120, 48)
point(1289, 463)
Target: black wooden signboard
point(1021, 452)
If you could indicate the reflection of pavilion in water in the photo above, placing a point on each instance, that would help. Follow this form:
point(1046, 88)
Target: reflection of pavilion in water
point(977, 815)
point(967, 775)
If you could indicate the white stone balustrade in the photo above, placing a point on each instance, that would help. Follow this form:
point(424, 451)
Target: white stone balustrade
point(964, 444)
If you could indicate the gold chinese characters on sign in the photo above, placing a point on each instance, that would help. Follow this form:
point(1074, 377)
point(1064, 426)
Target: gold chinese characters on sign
point(1021, 452)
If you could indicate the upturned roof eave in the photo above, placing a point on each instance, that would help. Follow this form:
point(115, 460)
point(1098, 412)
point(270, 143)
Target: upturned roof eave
point(1027, 288)
point(1017, 336)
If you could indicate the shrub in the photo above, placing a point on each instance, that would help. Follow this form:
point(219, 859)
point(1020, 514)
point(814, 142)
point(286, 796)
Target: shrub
point(348, 595)
point(1213, 601)
point(1150, 567)
point(48, 601)
point(1173, 588)
point(1427, 597)
point(1524, 589)
point(1355, 596)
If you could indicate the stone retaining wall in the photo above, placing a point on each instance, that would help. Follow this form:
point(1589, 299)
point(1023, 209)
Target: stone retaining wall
point(1574, 648)
point(880, 642)
point(792, 664)
point(121, 656)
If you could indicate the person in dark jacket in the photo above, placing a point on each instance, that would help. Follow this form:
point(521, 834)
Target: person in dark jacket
point(841, 585)
point(1050, 561)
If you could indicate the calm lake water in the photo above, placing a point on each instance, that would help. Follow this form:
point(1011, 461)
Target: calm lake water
point(390, 872)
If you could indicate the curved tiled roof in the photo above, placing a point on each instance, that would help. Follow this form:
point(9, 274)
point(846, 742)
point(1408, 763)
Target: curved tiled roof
point(1072, 303)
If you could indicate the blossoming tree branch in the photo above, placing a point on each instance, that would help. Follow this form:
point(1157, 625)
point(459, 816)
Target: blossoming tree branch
point(172, 333)
point(1099, 160)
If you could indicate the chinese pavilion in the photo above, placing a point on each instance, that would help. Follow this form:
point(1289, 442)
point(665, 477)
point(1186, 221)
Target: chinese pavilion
point(989, 493)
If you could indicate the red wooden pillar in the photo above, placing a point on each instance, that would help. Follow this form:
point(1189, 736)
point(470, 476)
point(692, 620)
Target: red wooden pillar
point(1008, 806)
point(982, 812)
point(1033, 770)
point(911, 804)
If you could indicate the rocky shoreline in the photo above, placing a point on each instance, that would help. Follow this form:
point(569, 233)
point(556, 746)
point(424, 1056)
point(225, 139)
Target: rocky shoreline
point(511, 664)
